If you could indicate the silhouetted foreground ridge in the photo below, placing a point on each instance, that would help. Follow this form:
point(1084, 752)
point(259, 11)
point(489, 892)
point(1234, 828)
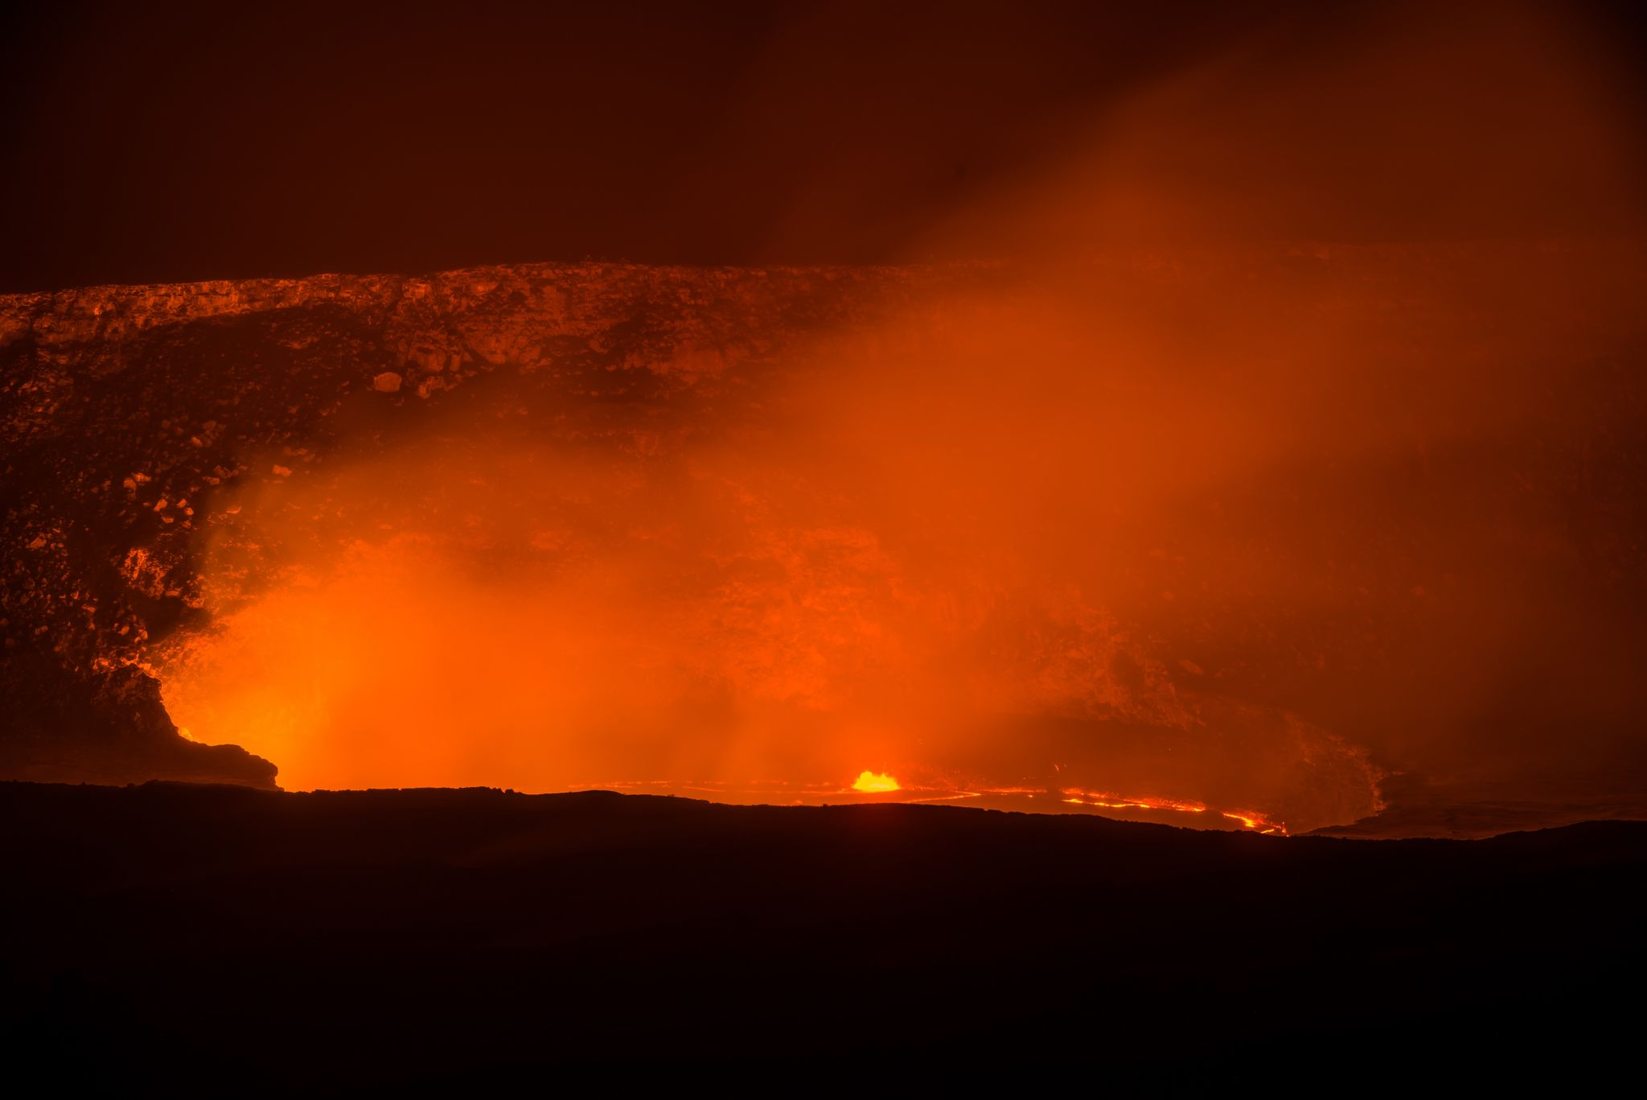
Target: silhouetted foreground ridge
point(187, 937)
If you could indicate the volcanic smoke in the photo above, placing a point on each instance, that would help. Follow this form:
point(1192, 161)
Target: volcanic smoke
point(1170, 500)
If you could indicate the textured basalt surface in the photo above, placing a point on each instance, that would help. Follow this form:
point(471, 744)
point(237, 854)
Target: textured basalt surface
point(125, 410)
point(130, 417)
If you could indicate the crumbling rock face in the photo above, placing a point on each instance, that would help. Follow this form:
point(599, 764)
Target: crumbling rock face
point(126, 411)
point(1253, 528)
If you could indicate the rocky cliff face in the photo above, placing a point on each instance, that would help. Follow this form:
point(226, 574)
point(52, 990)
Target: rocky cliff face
point(1251, 529)
point(125, 412)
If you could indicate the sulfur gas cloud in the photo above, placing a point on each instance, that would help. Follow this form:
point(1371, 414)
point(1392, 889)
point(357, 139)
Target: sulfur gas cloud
point(1178, 495)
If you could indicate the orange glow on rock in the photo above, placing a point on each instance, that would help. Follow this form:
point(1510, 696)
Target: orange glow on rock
point(1121, 802)
point(1252, 819)
point(1248, 819)
point(1228, 520)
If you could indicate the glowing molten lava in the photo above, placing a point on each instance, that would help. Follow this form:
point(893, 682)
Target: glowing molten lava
point(869, 782)
point(1252, 819)
point(1122, 802)
point(1248, 819)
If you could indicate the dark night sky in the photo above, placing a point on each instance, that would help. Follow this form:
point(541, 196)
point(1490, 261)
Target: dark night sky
point(148, 143)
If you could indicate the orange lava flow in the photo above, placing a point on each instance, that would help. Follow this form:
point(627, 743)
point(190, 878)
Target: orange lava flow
point(1122, 802)
point(1017, 799)
point(1248, 819)
point(1252, 819)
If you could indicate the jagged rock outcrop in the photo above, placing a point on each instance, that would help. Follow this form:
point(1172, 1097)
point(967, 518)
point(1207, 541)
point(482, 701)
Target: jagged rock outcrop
point(125, 410)
point(1466, 562)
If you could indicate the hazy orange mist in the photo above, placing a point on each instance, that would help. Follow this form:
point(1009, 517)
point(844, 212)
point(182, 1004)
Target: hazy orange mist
point(1397, 121)
point(1232, 525)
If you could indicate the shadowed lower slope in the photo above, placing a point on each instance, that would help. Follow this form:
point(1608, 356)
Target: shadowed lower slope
point(181, 936)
